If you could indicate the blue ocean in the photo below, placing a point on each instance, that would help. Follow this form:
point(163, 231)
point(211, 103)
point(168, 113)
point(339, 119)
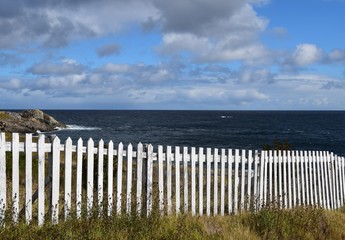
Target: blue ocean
point(304, 130)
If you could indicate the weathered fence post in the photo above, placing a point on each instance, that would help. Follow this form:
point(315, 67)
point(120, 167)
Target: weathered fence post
point(50, 139)
point(144, 180)
point(2, 177)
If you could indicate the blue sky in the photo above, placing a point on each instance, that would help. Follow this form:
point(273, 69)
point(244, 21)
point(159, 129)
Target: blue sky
point(182, 54)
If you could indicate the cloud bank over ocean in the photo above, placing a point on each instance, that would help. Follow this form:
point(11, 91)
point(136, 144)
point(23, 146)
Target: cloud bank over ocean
point(183, 54)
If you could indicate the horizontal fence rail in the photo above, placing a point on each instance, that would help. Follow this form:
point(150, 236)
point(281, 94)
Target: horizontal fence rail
point(42, 179)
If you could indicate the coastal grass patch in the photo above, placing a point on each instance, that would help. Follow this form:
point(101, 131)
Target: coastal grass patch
point(298, 223)
point(268, 223)
point(4, 115)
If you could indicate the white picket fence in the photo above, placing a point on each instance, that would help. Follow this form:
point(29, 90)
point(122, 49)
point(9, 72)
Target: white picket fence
point(213, 182)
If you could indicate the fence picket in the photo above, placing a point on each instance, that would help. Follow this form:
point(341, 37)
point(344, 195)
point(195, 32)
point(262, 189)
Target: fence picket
point(335, 190)
point(326, 169)
point(193, 183)
point(28, 178)
point(149, 178)
point(208, 181)
point(249, 178)
point(323, 178)
point(15, 177)
point(129, 179)
point(55, 180)
point(243, 175)
point(201, 177)
point(79, 186)
point(271, 177)
point(310, 186)
point(332, 178)
point(119, 179)
point(302, 161)
point(263, 181)
point(110, 199)
point(215, 182)
point(222, 182)
point(161, 179)
point(256, 169)
point(293, 161)
point(320, 179)
point(177, 179)
point(285, 180)
point(41, 176)
point(230, 199)
point(275, 163)
point(185, 180)
point(280, 179)
point(289, 181)
point(341, 180)
point(68, 177)
point(169, 193)
point(100, 177)
point(237, 159)
point(315, 195)
point(90, 166)
point(2, 177)
point(139, 177)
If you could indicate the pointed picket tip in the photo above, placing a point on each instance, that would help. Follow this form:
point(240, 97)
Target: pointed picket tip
point(101, 141)
point(90, 140)
point(56, 139)
point(80, 140)
point(68, 140)
point(130, 145)
point(120, 145)
point(111, 142)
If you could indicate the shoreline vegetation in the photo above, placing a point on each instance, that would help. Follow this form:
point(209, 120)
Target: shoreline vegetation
point(29, 121)
point(268, 223)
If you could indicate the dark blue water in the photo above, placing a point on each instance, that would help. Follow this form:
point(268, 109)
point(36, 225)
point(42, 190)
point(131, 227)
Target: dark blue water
point(309, 130)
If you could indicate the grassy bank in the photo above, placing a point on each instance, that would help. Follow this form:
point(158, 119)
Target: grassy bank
point(269, 223)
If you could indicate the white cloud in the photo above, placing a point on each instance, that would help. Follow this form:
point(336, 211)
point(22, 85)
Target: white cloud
point(337, 55)
point(231, 35)
point(306, 54)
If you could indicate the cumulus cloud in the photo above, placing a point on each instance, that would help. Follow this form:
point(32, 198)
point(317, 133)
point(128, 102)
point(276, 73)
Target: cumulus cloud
point(220, 30)
point(306, 54)
point(223, 32)
point(56, 23)
point(337, 55)
point(13, 84)
point(107, 50)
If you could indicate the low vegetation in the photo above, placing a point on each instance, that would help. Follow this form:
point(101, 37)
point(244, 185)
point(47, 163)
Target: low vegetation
point(4, 115)
point(269, 223)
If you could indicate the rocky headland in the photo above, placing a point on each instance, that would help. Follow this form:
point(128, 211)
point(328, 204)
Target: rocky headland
point(29, 121)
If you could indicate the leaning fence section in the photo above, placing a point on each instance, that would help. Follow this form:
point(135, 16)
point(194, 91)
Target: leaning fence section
point(43, 179)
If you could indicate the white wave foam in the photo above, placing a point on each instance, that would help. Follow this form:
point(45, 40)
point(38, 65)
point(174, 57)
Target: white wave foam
point(226, 116)
point(81, 128)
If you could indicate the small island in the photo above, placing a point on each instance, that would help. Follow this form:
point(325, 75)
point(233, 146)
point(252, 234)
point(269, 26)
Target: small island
point(29, 121)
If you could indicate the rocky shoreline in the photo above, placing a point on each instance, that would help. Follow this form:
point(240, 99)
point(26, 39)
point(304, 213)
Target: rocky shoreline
point(29, 121)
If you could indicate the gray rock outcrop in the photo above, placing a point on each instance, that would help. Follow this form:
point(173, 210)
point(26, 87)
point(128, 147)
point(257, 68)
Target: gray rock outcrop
point(29, 121)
